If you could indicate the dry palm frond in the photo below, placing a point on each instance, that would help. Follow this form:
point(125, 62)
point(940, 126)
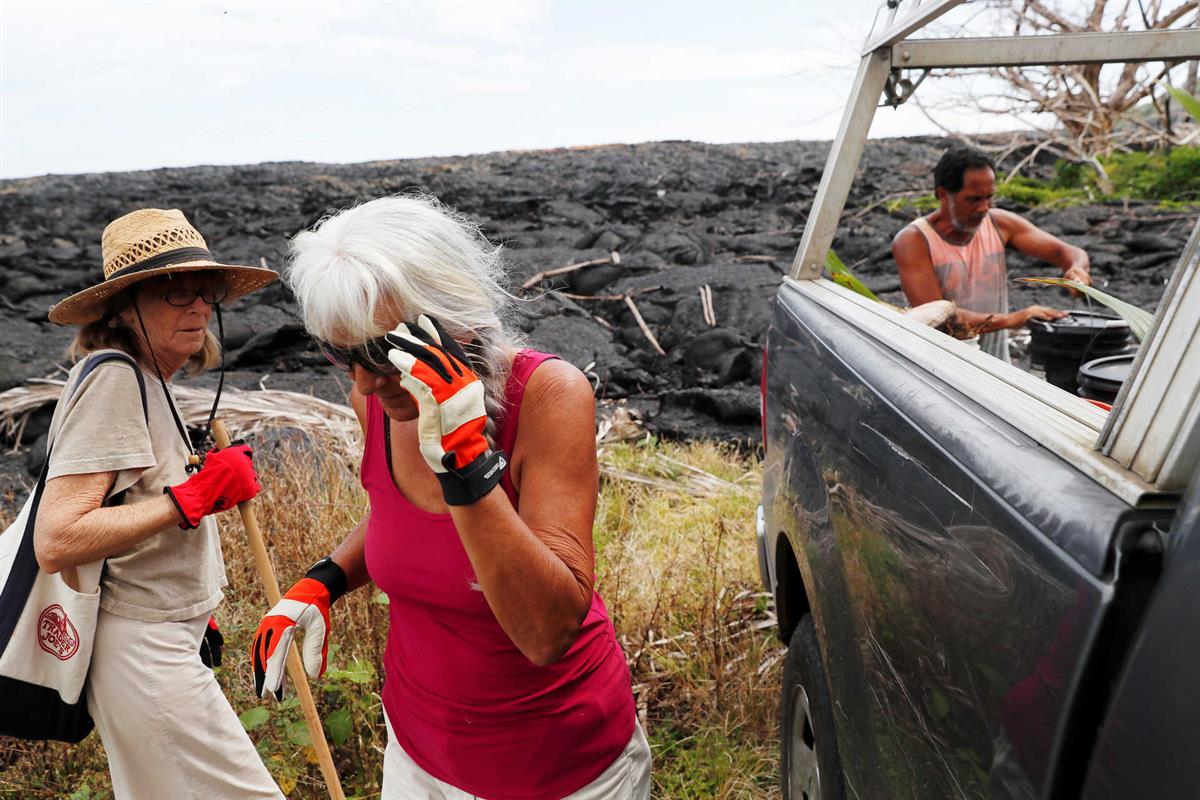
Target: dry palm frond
point(336, 427)
point(935, 313)
point(17, 404)
point(249, 412)
point(245, 412)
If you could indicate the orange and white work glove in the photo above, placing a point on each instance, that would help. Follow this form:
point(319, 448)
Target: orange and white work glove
point(226, 479)
point(451, 415)
point(305, 606)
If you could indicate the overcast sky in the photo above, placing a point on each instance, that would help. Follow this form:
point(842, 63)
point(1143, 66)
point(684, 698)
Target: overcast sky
point(91, 87)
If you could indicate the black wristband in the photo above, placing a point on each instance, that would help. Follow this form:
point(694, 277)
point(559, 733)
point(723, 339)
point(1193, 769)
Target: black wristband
point(327, 572)
point(461, 487)
point(185, 524)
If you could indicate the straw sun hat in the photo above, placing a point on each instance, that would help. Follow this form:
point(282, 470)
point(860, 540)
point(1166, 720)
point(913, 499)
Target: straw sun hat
point(146, 244)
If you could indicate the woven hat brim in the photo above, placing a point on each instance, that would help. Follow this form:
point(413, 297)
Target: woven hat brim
point(88, 305)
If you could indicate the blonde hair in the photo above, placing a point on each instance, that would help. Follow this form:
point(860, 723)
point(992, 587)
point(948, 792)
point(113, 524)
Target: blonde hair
point(363, 270)
point(111, 333)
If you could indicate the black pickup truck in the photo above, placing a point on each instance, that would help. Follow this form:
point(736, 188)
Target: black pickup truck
point(988, 586)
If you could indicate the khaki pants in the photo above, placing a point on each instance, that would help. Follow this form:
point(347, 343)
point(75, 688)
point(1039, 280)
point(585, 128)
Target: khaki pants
point(627, 778)
point(167, 728)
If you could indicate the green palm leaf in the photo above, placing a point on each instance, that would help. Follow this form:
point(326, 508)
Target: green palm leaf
point(1139, 319)
point(1187, 101)
point(842, 276)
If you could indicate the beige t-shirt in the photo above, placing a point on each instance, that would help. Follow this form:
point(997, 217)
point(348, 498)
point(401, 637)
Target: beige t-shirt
point(175, 574)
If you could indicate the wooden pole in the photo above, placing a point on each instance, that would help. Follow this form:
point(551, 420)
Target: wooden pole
point(295, 667)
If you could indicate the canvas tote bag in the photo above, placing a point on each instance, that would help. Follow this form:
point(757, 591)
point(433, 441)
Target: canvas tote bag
point(46, 626)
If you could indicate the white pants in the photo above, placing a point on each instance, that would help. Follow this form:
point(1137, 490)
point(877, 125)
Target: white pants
point(627, 778)
point(167, 728)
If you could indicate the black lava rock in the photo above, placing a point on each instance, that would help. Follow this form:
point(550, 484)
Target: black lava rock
point(701, 230)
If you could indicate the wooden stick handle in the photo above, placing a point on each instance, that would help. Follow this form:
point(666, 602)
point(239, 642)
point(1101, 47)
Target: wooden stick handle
point(295, 667)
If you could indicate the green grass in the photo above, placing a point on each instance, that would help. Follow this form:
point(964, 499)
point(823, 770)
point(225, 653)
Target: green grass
point(713, 762)
point(921, 204)
point(676, 567)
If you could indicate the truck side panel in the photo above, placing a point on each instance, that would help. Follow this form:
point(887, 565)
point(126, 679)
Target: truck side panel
point(955, 572)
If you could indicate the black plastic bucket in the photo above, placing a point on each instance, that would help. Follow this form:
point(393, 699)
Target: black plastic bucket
point(1061, 346)
point(1101, 379)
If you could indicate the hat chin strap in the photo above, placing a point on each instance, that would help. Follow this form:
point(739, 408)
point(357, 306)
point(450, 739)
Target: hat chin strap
point(194, 460)
point(212, 413)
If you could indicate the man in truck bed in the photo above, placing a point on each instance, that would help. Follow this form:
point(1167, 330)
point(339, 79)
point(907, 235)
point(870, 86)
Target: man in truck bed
point(957, 252)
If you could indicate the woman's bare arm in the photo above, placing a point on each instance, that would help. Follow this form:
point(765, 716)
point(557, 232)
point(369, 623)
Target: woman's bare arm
point(74, 528)
point(536, 568)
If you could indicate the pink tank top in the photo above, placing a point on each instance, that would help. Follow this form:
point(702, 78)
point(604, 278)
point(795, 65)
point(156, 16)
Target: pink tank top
point(974, 275)
point(463, 701)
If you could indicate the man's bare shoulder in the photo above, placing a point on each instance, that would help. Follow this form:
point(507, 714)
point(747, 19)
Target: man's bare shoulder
point(906, 235)
point(1008, 221)
point(909, 245)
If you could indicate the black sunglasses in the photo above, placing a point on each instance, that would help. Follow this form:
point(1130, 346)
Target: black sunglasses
point(182, 298)
point(371, 355)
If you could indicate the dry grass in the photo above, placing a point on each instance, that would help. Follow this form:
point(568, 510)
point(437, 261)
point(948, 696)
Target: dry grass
point(677, 570)
point(675, 555)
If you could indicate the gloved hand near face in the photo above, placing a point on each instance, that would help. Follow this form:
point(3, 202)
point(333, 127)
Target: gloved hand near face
point(452, 418)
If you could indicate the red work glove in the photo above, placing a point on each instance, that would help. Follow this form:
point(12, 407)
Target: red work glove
point(227, 478)
point(305, 606)
point(451, 415)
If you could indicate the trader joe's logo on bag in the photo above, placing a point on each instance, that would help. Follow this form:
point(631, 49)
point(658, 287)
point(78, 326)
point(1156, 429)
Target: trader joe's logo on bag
point(56, 634)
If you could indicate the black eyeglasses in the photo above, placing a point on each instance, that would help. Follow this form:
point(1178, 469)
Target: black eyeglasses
point(182, 298)
point(371, 355)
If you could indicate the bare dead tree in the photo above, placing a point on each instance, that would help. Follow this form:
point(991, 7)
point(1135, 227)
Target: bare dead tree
point(1090, 104)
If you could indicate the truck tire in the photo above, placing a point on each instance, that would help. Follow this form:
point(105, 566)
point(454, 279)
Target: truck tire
point(809, 766)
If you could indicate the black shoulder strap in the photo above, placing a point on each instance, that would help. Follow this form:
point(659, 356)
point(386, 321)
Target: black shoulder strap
point(91, 364)
point(100, 358)
point(24, 570)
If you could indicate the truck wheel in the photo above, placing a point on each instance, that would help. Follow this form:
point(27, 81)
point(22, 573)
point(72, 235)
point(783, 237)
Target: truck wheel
point(809, 766)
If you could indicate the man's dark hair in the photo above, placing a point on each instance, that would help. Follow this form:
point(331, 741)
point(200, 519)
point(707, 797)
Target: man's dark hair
point(948, 174)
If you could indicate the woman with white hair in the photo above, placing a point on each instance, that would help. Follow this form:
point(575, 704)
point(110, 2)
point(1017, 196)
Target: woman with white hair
point(503, 676)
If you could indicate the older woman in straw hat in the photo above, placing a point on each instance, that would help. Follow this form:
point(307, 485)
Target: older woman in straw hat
point(124, 485)
point(503, 676)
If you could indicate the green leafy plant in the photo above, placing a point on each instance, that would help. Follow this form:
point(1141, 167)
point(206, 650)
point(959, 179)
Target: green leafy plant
point(1139, 319)
point(1157, 174)
point(1168, 176)
point(1032, 192)
point(254, 717)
